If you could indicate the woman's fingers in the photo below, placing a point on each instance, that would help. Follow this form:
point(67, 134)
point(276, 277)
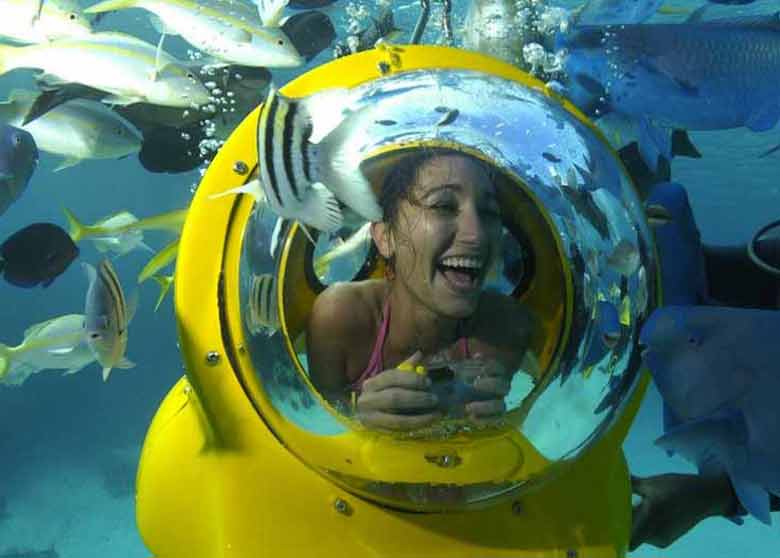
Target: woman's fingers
point(396, 399)
point(397, 378)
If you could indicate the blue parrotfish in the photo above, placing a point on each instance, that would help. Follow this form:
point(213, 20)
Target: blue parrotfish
point(18, 160)
point(677, 238)
point(698, 75)
point(716, 369)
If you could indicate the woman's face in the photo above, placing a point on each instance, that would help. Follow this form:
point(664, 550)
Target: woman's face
point(447, 234)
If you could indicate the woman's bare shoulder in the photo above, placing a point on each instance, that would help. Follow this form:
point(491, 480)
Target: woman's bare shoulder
point(348, 306)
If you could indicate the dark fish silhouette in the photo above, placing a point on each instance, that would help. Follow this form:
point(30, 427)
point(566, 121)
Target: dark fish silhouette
point(36, 254)
point(18, 159)
point(310, 32)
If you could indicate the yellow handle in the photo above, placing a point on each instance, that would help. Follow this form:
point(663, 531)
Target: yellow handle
point(419, 369)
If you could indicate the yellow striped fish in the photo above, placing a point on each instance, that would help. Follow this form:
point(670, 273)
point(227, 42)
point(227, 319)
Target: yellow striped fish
point(106, 317)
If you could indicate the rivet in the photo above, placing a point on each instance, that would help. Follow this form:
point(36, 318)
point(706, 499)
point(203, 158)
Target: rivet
point(517, 507)
point(240, 167)
point(212, 358)
point(342, 507)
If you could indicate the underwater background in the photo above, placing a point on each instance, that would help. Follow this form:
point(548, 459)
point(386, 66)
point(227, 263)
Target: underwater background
point(69, 446)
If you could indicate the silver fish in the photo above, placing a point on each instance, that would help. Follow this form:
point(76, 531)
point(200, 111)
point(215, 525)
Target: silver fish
point(107, 317)
point(303, 177)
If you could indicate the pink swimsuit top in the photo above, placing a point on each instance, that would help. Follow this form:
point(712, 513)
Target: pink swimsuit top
point(376, 362)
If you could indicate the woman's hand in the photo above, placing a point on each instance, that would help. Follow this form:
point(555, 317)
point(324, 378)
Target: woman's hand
point(398, 398)
point(487, 383)
point(672, 504)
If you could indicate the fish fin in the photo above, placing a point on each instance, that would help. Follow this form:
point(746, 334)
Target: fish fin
point(71, 371)
point(165, 282)
point(683, 146)
point(110, 6)
point(106, 373)
point(697, 16)
point(67, 163)
point(132, 305)
point(121, 101)
point(144, 246)
point(91, 272)
point(76, 229)
point(50, 81)
point(765, 118)
point(252, 188)
point(271, 11)
point(163, 258)
point(341, 173)
point(61, 351)
point(5, 361)
point(125, 364)
point(753, 497)
point(320, 209)
point(158, 51)
point(654, 142)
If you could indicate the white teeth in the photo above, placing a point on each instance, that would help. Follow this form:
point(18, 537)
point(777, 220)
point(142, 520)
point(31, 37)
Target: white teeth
point(472, 263)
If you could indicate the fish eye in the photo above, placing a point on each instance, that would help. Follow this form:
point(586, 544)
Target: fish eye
point(693, 340)
point(17, 139)
point(94, 335)
point(72, 16)
point(280, 42)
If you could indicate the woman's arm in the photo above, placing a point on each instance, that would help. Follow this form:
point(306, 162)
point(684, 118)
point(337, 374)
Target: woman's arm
point(333, 325)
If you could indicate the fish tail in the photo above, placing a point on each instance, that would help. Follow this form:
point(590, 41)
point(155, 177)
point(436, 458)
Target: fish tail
point(162, 259)
point(110, 6)
point(76, 229)
point(5, 361)
point(165, 283)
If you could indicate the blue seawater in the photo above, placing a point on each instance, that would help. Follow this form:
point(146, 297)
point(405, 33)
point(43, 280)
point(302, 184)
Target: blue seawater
point(69, 445)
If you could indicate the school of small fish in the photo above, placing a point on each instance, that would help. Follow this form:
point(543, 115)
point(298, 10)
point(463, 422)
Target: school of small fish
point(105, 94)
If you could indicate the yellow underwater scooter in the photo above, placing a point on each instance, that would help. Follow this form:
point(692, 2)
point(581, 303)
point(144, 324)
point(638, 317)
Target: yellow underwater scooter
point(244, 458)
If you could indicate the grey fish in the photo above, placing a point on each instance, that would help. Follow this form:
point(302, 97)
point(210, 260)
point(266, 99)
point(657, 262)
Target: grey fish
point(716, 369)
point(700, 75)
point(18, 160)
point(107, 317)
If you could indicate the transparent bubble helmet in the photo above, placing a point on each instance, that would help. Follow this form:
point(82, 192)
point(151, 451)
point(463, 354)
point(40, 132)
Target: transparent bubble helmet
point(576, 251)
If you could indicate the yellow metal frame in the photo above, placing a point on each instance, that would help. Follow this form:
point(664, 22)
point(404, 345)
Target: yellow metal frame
point(216, 479)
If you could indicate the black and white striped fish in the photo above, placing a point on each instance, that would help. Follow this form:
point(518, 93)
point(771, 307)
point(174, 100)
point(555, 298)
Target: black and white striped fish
point(262, 316)
point(106, 316)
point(305, 167)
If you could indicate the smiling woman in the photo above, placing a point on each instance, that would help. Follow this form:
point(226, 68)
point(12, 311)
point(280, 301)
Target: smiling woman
point(440, 237)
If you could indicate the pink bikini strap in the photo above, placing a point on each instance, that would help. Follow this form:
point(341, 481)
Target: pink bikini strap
point(376, 363)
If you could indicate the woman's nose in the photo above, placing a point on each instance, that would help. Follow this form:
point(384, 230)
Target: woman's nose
point(471, 226)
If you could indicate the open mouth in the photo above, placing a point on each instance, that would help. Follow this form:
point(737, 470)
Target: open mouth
point(462, 273)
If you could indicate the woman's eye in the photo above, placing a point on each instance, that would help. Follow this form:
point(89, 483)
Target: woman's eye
point(444, 207)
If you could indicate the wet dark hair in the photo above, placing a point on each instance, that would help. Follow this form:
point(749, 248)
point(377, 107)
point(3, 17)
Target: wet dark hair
point(396, 186)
